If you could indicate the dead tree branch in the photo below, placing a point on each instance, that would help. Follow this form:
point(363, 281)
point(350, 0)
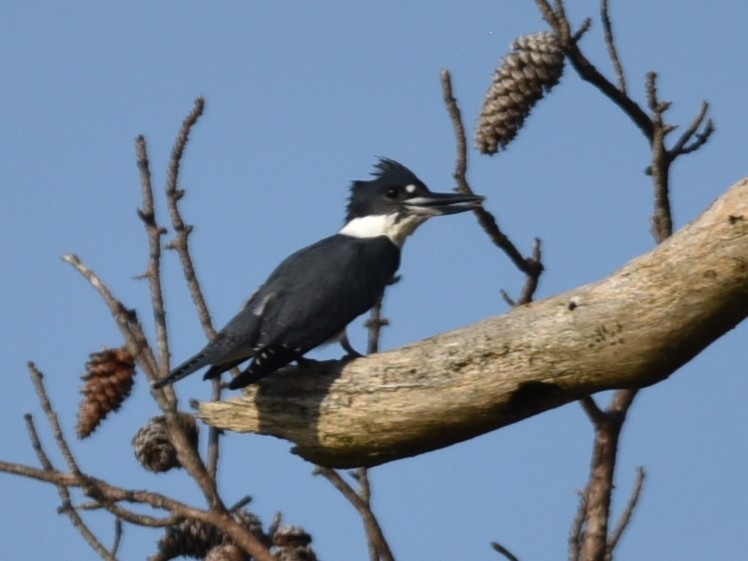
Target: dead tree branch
point(363, 507)
point(632, 329)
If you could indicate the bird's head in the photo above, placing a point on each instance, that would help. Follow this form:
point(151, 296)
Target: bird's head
point(395, 202)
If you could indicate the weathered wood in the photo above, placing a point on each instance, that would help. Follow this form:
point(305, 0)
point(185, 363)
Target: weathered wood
point(633, 328)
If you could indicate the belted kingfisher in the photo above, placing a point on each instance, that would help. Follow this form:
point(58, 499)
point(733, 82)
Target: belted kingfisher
point(316, 292)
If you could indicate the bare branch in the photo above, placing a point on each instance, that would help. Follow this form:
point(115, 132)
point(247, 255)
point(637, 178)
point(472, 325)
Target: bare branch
point(531, 267)
point(548, 14)
point(374, 326)
point(627, 513)
point(373, 530)
point(684, 144)
point(535, 264)
point(584, 28)
point(114, 494)
point(36, 443)
point(132, 331)
point(148, 216)
point(611, 44)
point(182, 230)
point(86, 532)
point(559, 22)
point(662, 220)
point(54, 422)
point(174, 195)
point(62, 489)
point(576, 534)
point(126, 319)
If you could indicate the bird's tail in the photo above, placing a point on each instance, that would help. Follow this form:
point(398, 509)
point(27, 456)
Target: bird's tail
point(183, 370)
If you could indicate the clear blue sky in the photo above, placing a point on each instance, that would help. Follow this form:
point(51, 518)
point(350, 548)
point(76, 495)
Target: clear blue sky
point(301, 97)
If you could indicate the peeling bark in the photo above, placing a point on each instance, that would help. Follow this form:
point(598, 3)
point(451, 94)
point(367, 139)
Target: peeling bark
point(631, 329)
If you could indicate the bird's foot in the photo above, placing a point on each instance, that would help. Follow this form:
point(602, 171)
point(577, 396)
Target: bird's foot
point(350, 352)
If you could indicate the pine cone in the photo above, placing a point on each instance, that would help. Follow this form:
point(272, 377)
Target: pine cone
point(226, 552)
point(524, 76)
point(153, 447)
point(293, 544)
point(108, 380)
point(191, 538)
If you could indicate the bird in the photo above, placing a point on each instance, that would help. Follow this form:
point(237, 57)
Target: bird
point(310, 298)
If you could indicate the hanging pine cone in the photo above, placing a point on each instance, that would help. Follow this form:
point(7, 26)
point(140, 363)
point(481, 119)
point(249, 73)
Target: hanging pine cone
point(191, 538)
point(153, 447)
point(108, 380)
point(293, 544)
point(524, 76)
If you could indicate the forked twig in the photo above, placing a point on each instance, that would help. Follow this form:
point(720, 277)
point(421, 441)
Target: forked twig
point(148, 215)
point(180, 243)
point(62, 490)
point(532, 267)
point(182, 231)
point(373, 530)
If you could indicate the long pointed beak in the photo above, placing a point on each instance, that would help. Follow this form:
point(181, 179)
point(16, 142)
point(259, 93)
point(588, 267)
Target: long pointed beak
point(439, 204)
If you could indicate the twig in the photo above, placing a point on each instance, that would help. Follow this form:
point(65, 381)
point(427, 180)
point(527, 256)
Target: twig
point(54, 422)
point(132, 331)
point(373, 530)
point(576, 534)
point(36, 443)
point(662, 220)
point(531, 267)
point(374, 326)
point(532, 280)
point(611, 44)
point(182, 231)
point(361, 475)
point(559, 22)
point(180, 243)
point(628, 512)
point(683, 145)
point(126, 319)
point(504, 551)
point(112, 493)
point(511, 302)
point(148, 215)
point(63, 491)
point(86, 532)
point(120, 513)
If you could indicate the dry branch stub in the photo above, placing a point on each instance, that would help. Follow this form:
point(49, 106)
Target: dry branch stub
point(631, 329)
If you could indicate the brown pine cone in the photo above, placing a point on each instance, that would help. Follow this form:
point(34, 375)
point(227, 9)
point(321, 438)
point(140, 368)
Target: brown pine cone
point(523, 77)
point(153, 447)
point(293, 544)
point(226, 552)
point(108, 381)
point(191, 538)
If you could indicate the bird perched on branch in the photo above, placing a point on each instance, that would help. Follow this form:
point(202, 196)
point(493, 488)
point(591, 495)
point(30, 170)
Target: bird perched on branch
point(316, 292)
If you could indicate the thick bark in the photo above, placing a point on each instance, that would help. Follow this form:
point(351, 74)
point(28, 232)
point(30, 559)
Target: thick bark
point(632, 329)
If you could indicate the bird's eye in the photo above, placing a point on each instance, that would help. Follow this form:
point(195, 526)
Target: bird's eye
point(393, 193)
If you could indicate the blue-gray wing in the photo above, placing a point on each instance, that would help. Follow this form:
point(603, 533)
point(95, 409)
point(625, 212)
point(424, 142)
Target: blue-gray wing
point(310, 298)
